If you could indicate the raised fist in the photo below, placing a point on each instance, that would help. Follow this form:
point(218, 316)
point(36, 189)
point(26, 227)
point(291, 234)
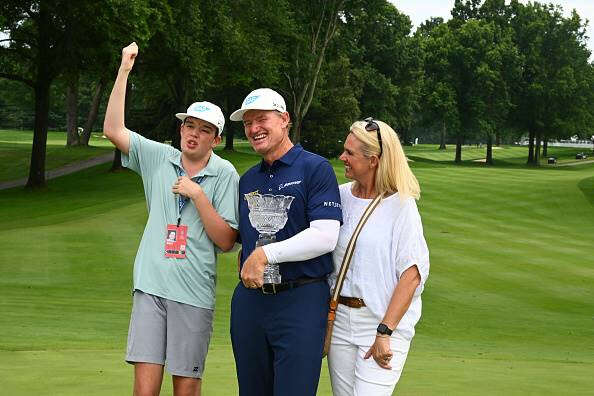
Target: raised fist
point(128, 56)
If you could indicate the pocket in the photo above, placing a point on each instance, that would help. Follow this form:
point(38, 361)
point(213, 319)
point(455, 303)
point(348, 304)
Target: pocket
point(369, 371)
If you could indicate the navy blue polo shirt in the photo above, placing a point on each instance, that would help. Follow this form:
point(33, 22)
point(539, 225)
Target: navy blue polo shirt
point(310, 179)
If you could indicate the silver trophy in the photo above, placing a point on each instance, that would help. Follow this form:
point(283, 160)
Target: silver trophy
point(268, 214)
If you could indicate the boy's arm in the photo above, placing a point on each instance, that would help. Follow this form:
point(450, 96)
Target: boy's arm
point(217, 229)
point(113, 126)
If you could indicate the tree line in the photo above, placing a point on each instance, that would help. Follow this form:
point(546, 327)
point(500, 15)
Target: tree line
point(491, 73)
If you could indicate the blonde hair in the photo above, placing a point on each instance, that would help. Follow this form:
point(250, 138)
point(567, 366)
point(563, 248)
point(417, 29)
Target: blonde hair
point(393, 173)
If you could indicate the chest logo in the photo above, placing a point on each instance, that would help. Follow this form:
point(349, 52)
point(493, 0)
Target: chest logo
point(293, 183)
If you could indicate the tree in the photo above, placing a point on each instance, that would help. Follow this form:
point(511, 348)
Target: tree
point(318, 21)
point(552, 98)
point(486, 66)
point(31, 59)
point(439, 96)
point(93, 110)
point(38, 52)
point(387, 62)
point(253, 37)
point(331, 113)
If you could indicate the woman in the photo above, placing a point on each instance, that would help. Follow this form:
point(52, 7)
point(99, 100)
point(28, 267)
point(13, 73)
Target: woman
point(380, 301)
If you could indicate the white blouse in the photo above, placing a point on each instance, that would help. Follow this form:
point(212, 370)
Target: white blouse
point(390, 242)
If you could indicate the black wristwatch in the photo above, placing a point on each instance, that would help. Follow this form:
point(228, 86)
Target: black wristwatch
point(383, 329)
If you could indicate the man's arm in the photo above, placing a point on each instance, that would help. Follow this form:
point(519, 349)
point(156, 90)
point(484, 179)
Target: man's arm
point(113, 126)
point(318, 239)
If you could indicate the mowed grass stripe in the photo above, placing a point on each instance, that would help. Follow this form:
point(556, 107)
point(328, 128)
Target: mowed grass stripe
point(509, 299)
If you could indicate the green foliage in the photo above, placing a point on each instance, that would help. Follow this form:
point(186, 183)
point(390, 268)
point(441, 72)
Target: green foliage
point(439, 95)
point(553, 97)
point(218, 52)
point(324, 131)
point(387, 62)
point(494, 69)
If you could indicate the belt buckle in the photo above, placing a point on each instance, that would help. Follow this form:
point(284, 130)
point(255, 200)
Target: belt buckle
point(269, 288)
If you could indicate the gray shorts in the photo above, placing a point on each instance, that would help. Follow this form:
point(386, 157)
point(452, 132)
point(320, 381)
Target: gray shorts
point(169, 333)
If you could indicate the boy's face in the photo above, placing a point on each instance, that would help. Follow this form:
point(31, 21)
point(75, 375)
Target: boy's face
point(198, 138)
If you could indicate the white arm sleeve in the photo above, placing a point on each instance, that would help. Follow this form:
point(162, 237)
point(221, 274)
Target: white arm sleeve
point(319, 238)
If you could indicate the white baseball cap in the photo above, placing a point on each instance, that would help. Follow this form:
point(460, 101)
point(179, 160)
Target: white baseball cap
point(205, 111)
point(260, 99)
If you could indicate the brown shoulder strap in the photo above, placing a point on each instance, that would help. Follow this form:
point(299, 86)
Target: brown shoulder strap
point(351, 247)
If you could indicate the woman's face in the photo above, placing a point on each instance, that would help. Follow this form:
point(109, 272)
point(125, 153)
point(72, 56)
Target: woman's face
point(356, 165)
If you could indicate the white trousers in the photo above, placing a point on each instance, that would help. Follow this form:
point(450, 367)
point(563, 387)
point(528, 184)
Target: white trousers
point(351, 375)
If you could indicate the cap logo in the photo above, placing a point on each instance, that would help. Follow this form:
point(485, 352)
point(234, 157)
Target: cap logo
point(200, 108)
point(250, 100)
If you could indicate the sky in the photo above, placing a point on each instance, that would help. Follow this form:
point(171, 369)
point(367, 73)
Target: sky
point(421, 10)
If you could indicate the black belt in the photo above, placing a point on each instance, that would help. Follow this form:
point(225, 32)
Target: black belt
point(273, 288)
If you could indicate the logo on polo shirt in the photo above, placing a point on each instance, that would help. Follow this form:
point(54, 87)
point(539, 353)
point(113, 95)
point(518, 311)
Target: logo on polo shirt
point(293, 183)
point(332, 204)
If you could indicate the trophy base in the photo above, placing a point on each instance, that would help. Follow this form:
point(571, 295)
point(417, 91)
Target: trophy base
point(272, 274)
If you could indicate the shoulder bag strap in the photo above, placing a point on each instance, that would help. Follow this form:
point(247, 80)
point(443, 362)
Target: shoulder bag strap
point(348, 254)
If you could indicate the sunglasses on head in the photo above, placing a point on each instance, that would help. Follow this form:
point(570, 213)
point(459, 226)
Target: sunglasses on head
point(373, 126)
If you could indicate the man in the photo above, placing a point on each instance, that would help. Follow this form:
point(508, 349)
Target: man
point(191, 195)
point(277, 330)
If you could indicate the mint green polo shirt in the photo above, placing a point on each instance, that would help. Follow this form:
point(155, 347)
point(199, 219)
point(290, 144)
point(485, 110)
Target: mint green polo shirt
point(190, 280)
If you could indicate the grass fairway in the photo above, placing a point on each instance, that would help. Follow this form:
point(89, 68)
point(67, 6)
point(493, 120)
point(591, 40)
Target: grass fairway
point(15, 151)
point(508, 309)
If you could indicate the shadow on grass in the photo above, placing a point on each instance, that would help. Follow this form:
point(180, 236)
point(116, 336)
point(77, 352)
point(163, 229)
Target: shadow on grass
point(509, 163)
point(587, 188)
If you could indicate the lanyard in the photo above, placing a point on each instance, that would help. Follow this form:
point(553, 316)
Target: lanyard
point(181, 200)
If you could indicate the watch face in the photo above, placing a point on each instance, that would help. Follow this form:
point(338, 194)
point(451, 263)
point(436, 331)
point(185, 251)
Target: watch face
point(383, 329)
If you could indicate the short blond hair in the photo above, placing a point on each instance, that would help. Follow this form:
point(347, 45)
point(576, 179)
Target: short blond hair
point(393, 173)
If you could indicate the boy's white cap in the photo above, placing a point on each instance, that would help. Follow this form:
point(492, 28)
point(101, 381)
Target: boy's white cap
point(260, 99)
point(205, 111)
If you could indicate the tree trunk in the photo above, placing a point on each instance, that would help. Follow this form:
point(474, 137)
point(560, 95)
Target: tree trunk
point(116, 165)
point(43, 81)
point(537, 150)
point(545, 147)
point(296, 130)
point(459, 141)
point(530, 148)
point(404, 137)
point(321, 35)
point(37, 168)
point(72, 138)
point(442, 143)
point(229, 139)
point(93, 111)
point(230, 131)
point(176, 134)
point(489, 159)
point(498, 139)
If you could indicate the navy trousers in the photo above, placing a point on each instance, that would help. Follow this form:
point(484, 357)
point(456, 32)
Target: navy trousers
point(278, 339)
